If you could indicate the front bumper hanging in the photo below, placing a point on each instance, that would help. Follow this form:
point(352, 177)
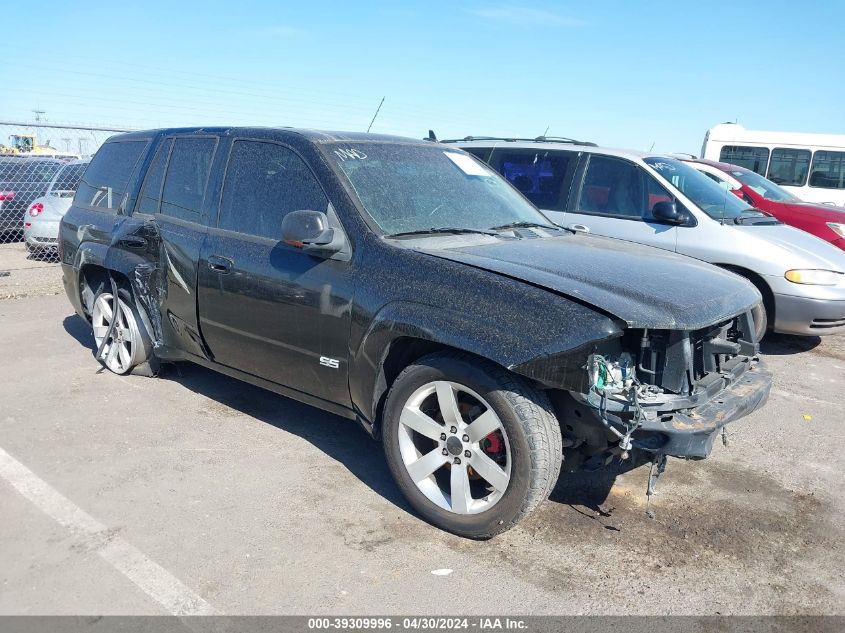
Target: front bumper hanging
point(690, 434)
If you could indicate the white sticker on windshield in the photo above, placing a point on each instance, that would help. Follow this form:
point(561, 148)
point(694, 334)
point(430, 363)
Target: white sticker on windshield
point(467, 165)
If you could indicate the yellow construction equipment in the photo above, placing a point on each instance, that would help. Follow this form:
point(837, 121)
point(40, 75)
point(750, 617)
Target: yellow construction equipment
point(25, 144)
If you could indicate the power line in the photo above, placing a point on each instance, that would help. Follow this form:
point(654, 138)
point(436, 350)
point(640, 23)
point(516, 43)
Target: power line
point(345, 104)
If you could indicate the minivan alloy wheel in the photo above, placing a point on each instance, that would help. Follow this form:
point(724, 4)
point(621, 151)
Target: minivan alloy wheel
point(454, 447)
point(124, 348)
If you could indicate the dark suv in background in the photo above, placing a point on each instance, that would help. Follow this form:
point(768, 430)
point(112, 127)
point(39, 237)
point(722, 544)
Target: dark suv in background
point(405, 285)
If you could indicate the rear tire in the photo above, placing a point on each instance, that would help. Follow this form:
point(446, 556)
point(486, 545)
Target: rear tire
point(129, 346)
point(473, 448)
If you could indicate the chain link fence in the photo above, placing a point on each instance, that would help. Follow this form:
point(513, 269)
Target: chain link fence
point(40, 167)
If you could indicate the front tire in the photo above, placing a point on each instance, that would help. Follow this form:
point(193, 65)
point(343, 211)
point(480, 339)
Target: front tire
point(473, 447)
point(761, 320)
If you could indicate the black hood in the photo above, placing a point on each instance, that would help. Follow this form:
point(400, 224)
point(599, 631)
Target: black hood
point(641, 285)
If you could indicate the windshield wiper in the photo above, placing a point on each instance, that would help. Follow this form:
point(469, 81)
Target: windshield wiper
point(442, 230)
point(525, 225)
point(755, 218)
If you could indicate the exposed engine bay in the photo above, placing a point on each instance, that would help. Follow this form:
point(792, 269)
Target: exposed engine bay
point(648, 394)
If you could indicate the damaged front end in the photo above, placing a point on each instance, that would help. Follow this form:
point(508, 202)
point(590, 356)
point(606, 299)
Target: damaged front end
point(653, 393)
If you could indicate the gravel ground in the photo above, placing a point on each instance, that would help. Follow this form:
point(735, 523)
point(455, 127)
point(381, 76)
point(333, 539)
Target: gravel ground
point(254, 504)
point(27, 276)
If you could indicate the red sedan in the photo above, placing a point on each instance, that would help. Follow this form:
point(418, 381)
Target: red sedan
point(822, 220)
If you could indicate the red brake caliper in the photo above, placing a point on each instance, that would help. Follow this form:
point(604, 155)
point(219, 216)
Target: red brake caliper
point(493, 443)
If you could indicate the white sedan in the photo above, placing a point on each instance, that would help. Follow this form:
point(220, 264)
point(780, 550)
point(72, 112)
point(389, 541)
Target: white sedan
point(41, 219)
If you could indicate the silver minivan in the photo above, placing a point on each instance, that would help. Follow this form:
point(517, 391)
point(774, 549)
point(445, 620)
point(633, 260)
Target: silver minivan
point(663, 202)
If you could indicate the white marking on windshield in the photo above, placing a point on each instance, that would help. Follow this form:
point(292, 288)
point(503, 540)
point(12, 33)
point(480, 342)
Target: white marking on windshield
point(467, 165)
point(345, 154)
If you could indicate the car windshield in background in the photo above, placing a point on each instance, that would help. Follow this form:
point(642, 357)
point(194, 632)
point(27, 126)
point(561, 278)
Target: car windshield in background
point(714, 200)
point(68, 178)
point(407, 188)
point(764, 187)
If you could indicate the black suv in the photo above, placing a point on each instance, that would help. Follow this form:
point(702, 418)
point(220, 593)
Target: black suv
point(406, 285)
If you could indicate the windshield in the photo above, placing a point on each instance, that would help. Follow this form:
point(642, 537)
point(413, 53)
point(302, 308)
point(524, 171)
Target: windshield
point(407, 188)
point(711, 198)
point(763, 186)
point(68, 177)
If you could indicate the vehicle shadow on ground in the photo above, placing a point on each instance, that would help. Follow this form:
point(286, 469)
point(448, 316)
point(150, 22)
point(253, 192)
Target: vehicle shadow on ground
point(590, 489)
point(786, 345)
point(77, 327)
point(341, 439)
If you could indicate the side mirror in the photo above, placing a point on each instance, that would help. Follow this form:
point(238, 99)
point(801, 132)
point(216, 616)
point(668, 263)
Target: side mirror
point(308, 230)
point(666, 211)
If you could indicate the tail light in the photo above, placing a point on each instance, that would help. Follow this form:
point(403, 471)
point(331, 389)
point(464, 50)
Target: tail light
point(27, 225)
point(7, 195)
point(36, 208)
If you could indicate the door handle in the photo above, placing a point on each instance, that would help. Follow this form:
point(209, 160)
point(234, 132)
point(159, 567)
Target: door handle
point(580, 228)
point(133, 242)
point(219, 264)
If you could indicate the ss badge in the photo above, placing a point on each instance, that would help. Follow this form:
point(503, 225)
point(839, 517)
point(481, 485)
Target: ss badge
point(333, 363)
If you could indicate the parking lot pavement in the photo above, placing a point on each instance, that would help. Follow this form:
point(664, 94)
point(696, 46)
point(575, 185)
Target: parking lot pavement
point(199, 487)
point(24, 276)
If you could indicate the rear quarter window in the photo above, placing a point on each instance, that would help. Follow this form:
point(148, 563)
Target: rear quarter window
point(104, 184)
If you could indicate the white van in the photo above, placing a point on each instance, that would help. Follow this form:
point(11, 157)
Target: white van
point(811, 166)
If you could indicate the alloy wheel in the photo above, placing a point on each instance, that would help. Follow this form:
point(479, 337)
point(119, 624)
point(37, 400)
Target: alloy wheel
point(122, 349)
point(454, 447)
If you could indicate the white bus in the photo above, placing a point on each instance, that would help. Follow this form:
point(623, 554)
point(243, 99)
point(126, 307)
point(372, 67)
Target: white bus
point(812, 166)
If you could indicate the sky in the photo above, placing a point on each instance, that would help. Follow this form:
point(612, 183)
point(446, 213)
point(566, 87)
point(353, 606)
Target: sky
point(642, 75)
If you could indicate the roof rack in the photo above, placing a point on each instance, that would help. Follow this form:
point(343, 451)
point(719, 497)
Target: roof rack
point(485, 138)
point(514, 139)
point(564, 139)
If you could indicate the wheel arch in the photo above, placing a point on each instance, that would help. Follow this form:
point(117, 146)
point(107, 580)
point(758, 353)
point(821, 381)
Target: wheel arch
point(760, 284)
point(402, 332)
point(97, 263)
point(93, 279)
point(400, 353)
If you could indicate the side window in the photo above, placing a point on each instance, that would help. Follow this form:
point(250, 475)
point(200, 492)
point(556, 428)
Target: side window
point(753, 158)
point(150, 197)
point(655, 193)
point(105, 181)
point(828, 170)
point(613, 186)
point(187, 174)
point(789, 166)
point(539, 175)
point(264, 182)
